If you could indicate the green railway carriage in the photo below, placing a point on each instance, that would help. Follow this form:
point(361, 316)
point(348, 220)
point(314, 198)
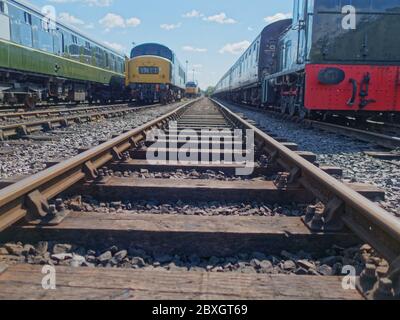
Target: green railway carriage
point(41, 59)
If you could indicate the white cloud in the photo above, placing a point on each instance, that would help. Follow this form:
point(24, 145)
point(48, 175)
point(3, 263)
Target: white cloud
point(91, 3)
point(235, 48)
point(65, 17)
point(133, 22)
point(169, 27)
point(220, 18)
point(277, 17)
point(112, 20)
point(250, 28)
point(197, 66)
point(193, 49)
point(116, 46)
point(99, 3)
point(192, 14)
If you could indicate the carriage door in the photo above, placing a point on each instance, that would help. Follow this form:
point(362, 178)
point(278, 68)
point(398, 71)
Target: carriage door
point(300, 23)
point(4, 22)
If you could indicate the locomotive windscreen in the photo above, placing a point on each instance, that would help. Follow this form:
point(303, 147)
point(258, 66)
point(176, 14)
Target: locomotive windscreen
point(152, 49)
point(369, 35)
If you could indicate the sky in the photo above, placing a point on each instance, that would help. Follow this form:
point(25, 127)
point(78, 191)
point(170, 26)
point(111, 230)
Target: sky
point(209, 34)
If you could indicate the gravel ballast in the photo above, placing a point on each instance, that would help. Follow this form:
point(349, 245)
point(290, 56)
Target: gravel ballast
point(132, 257)
point(336, 150)
point(29, 157)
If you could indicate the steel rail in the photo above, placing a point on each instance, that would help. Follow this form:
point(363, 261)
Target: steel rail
point(368, 221)
point(383, 140)
point(363, 135)
point(51, 112)
point(54, 180)
point(25, 128)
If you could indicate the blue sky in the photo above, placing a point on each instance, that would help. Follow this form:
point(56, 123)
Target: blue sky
point(210, 34)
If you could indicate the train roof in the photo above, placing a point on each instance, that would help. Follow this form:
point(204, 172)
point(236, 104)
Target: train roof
point(70, 28)
point(277, 25)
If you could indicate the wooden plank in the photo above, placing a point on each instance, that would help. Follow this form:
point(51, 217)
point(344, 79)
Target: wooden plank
point(368, 190)
point(199, 190)
point(181, 234)
point(24, 282)
point(383, 155)
point(119, 188)
point(6, 151)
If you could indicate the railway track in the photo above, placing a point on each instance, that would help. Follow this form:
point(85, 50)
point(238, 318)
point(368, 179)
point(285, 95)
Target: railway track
point(22, 124)
point(17, 116)
point(206, 212)
point(382, 134)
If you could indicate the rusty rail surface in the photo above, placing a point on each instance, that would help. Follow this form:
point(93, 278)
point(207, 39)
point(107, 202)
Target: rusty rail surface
point(343, 205)
point(25, 128)
point(363, 135)
point(384, 140)
point(31, 194)
point(53, 112)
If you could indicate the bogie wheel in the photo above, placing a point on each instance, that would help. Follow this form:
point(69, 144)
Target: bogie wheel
point(292, 107)
point(30, 102)
point(283, 105)
point(303, 112)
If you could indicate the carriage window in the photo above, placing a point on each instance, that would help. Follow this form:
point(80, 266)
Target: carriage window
point(385, 6)
point(28, 18)
point(364, 5)
point(2, 8)
point(330, 5)
point(286, 57)
point(298, 11)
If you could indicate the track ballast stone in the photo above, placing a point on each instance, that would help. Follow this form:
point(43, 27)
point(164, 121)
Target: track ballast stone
point(336, 150)
point(31, 157)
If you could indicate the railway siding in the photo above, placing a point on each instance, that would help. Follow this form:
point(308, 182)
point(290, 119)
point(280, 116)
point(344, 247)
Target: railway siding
point(69, 198)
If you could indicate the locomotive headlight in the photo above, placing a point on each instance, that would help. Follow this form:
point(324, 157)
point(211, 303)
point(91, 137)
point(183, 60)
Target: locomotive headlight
point(331, 76)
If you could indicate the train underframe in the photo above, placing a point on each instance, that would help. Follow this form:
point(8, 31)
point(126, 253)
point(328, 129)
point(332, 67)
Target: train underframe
point(28, 90)
point(250, 95)
point(366, 92)
point(145, 93)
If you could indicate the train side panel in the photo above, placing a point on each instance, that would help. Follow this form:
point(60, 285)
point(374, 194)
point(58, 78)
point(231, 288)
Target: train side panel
point(360, 87)
point(25, 59)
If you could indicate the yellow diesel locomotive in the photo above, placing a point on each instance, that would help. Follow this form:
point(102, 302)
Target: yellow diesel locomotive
point(192, 90)
point(154, 74)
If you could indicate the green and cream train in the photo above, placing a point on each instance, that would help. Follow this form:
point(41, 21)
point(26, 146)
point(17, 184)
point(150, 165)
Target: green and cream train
point(44, 60)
